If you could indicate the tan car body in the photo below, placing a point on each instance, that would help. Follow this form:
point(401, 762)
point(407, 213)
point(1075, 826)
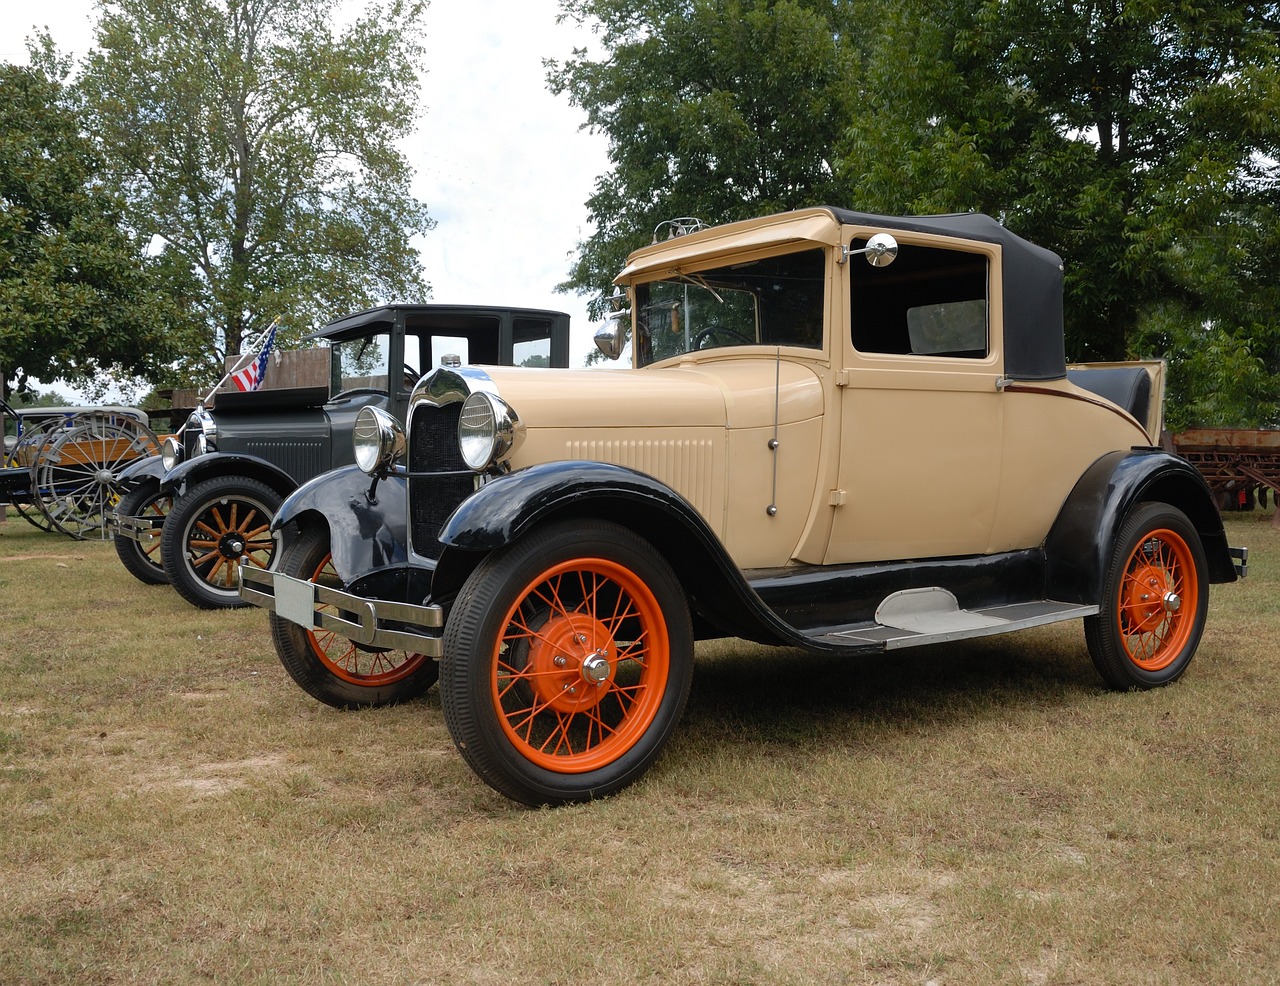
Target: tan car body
point(879, 457)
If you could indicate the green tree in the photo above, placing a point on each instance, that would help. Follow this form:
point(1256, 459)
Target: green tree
point(77, 298)
point(256, 146)
point(1135, 137)
point(714, 109)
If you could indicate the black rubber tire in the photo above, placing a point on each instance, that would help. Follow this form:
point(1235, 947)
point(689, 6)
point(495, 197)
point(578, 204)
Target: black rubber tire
point(144, 500)
point(206, 513)
point(332, 673)
point(1137, 641)
point(524, 617)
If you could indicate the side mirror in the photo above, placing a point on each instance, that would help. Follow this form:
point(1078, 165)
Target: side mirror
point(609, 336)
point(881, 250)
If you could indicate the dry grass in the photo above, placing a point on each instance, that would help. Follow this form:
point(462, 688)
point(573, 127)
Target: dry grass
point(174, 810)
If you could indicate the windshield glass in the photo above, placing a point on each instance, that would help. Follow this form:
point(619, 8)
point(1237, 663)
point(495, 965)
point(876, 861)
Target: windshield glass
point(776, 301)
point(361, 363)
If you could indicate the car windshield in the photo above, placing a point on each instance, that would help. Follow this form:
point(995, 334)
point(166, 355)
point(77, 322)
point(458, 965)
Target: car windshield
point(361, 363)
point(774, 301)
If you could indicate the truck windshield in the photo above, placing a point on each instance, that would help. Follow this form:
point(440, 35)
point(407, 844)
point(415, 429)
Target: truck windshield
point(774, 301)
point(361, 363)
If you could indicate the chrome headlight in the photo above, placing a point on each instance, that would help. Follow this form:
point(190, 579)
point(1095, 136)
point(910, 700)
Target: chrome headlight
point(488, 430)
point(378, 440)
point(170, 453)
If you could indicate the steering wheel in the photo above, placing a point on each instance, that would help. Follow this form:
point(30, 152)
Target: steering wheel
point(711, 332)
point(410, 376)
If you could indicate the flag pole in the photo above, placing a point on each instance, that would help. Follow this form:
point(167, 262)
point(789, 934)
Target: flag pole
point(253, 350)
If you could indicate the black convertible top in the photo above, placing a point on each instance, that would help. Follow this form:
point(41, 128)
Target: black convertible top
point(1033, 330)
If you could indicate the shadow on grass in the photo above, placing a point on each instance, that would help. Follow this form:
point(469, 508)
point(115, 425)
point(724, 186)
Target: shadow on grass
point(781, 695)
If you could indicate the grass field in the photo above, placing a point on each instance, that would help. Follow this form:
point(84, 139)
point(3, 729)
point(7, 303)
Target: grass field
point(174, 810)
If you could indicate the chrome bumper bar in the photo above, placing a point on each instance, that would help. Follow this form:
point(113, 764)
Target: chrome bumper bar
point(367, 622)
point(144, 530)
point(1240, 557)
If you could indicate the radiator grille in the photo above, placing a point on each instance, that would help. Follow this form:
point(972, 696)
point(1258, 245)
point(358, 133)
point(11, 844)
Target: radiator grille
point(301, 460)
point(433, 449)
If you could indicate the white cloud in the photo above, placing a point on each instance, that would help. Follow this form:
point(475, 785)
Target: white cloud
point(501, 163)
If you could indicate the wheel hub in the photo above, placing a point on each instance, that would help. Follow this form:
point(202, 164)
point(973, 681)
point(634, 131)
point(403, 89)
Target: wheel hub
point(571, 662)
point(1151, 599)
point(231, 545)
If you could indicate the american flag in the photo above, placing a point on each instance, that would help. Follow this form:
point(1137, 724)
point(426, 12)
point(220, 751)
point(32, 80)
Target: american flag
point(250, 377)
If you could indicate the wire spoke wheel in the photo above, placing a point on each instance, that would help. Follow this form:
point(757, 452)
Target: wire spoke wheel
point(1158, 601)
point(1154, 603)
point(329, 666)
point(567, 662)
point(578, 676)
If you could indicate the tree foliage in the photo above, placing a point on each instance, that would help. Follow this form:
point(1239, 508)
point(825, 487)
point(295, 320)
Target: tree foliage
point(77, 299)
point(1137, 138)
point(715, 109)
point(255, 144)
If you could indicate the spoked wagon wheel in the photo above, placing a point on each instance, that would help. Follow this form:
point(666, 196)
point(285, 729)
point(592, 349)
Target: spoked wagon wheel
point(328, 666)
point(78, 467)
point(22, 456)
point(210, 528)
point(1155, 600)
point(143, 559)
point(567, 663)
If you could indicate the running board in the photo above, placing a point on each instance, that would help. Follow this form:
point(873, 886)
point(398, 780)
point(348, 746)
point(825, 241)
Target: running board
point(915, 617)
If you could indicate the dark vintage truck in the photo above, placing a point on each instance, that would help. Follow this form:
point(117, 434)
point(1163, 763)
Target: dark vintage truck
point(189, 515)
point(843, 432)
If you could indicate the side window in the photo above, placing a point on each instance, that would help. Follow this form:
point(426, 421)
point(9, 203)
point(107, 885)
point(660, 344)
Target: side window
point(531, 342)
point(928, 302)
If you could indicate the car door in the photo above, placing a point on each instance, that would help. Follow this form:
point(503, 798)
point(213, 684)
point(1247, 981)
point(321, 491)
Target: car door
point(921, 413)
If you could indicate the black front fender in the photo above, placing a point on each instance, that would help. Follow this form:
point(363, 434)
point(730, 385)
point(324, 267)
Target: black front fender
point(203, 467)
point(148, 467)
point(506, 508)
point(1078, 548)
point(367, 533)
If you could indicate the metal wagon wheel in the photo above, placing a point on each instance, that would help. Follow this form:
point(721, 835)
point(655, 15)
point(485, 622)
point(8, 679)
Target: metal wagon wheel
point(21, 457)
point(77, 469)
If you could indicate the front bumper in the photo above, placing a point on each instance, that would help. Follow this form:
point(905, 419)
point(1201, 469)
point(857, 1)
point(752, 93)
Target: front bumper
point(144, 530)
point(373, 623)
point(1240, 558)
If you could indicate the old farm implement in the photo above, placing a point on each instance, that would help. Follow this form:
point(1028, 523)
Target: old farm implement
point(1239, 464)
point(61, 464)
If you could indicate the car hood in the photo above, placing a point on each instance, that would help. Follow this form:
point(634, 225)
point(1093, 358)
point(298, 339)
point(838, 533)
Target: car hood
point(751, 392)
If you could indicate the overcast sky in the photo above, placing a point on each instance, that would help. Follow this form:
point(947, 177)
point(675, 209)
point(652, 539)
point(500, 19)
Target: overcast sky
point(500, 162)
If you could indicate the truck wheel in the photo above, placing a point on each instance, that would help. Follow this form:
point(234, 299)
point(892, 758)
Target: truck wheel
point(143, 559)
point(209, 529)
point(1154, 601)
point(567, 662)
point(328, 666)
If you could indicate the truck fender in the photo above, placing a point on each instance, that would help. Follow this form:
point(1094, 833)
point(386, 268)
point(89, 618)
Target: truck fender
point(148, 467)
point(1078, 547)
point(202, 467)
point(504, 509)
point(366, 533)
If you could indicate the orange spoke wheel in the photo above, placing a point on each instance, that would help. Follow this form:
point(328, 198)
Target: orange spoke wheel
point(1154, 601)
point(567, 660)
point(212, 528)
point(330, 667)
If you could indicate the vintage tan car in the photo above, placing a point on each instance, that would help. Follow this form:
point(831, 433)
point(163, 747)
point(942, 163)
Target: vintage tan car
point(844, 432)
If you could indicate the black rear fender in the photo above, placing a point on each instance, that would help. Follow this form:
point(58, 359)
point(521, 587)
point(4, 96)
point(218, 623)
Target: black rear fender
point(1079, 544)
